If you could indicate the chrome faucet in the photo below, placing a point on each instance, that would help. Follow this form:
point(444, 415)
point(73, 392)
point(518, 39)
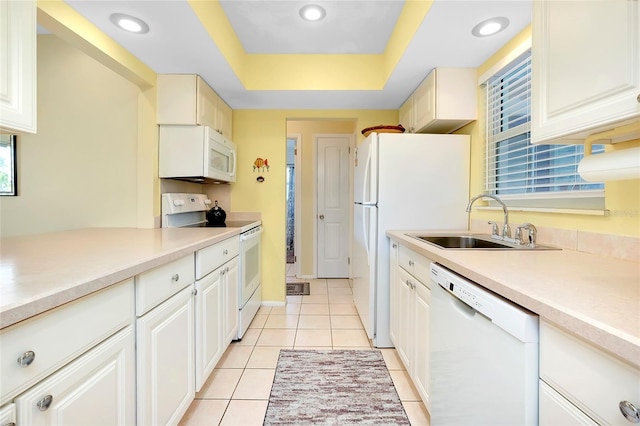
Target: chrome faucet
point(506, 229)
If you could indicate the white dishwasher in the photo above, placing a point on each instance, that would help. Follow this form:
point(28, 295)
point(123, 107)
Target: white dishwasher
point(484, 356)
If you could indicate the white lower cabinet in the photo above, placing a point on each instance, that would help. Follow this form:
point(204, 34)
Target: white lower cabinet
point(165, 360)
point(581, 384)
point(231, 282)
point(556, 410)
point(217, 315)
point(98, 388)
point(410, 314)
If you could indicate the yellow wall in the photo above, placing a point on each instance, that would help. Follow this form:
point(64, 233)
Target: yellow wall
point(81, 168)
point(622, 198)
point(262, 133)
point(307, 129)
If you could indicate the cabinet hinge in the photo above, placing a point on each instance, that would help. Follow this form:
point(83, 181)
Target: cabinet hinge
point(348, 261)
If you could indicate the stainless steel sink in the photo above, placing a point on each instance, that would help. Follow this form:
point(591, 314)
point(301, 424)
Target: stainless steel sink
point(474, 241)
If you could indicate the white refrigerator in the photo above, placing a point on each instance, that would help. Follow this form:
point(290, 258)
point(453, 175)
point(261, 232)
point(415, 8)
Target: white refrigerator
point(401, 181)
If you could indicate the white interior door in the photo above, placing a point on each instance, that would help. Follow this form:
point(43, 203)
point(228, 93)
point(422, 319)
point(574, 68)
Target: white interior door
point(333, 205)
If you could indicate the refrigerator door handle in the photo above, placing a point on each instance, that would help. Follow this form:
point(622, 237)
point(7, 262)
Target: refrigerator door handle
point(365, 233)
point(366, 184)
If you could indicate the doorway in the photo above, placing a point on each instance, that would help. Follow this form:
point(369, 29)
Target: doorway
point(303, 201)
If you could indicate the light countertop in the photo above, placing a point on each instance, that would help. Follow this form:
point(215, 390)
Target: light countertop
point(594, 297)
point(40, 272)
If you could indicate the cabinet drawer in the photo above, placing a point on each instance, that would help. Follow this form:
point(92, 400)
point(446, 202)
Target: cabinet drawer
point(417, 265)
point(159, 284)
point(588, 377)
point(212, 257)
point(60, 335)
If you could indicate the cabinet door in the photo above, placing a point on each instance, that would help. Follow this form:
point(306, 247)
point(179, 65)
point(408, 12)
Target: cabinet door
point(406, 115)
point(231, 306)
point(585, 67)
point(405, 320)
point(394, 293)
point(165, 361)
point(207, 105)
point(224, 119)
point(425, 101)
point(95, 389)
point(209, 318)
point(176, 103)
point(18, 65)
point(8, 415)
point(422, 315)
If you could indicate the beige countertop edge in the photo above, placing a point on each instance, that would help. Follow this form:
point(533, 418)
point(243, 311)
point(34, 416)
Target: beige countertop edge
point(619, 343)
point(44, 301)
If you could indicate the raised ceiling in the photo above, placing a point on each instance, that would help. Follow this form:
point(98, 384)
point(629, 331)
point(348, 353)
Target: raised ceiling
point(287, 63)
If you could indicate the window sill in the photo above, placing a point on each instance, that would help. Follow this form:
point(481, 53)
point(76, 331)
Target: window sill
point(548, 210)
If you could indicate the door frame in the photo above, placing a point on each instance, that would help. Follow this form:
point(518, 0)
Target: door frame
point(352, 139)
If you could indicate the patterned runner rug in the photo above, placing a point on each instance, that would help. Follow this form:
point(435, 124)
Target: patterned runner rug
point(341, 387)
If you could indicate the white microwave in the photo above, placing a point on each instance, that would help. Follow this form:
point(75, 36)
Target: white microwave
point(196, 154)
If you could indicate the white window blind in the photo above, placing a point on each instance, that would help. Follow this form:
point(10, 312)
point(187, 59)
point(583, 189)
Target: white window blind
point(514, 167)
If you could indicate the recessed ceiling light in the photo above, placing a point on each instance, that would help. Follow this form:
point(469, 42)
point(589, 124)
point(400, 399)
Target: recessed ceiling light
point(129, 23)
point(312, 12)
point(490, 27)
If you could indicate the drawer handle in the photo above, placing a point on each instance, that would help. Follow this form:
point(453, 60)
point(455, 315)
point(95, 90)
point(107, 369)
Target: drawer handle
point(26, 359)
point(629, 411)
point(175, 278)
point(411, 263)
point(225, 252)
point(45, 403)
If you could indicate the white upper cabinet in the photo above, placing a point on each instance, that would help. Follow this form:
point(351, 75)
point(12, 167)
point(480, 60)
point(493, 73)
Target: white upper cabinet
point(585, 68)
point(18, 66)
point(186, 99)
point(442, 103)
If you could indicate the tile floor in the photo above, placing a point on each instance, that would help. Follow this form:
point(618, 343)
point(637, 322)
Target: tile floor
point(238, 389)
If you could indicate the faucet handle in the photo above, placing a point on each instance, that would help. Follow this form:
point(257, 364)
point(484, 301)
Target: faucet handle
point(533, 232)
point(494, 229)
point(518, 235)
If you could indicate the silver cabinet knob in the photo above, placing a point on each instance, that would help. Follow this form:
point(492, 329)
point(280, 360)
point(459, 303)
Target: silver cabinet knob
point(225, 252)
point(411, 263)
point(629, 411)
point(195, 292)
point(321, 217)
point(45, 403)
point(395, 245)
point(175, 277)
point(26, 359)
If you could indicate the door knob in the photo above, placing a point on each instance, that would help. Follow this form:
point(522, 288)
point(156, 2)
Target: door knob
point(321, 217)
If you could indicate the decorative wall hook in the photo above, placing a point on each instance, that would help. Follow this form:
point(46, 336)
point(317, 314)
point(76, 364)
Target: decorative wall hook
point(261, 164)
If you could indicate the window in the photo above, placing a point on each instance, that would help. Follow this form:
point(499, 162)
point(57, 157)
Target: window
point(535, 175)
point(8, 173)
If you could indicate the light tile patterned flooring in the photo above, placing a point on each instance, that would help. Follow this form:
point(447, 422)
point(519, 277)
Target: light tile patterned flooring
point(238, 390)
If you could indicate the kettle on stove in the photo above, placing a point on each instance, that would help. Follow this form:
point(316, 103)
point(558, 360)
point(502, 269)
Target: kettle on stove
point(216, 216)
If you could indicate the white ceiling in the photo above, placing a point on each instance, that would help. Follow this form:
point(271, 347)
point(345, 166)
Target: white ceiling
point(178, 43)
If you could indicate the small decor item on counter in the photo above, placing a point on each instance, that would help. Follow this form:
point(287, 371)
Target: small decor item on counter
point(216, 216)
point(383, 129)
point(261, 163)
